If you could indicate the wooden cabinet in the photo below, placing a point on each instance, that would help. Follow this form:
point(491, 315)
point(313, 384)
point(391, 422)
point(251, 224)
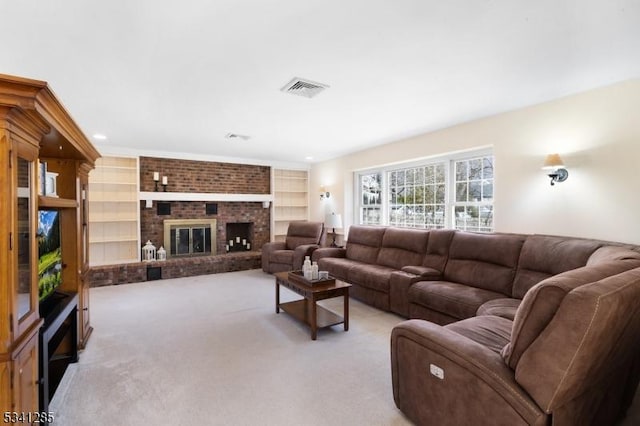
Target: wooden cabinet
point(5, 383)
point(291, 200)
point(25, 377)
point(115, 211)
point(34, 129)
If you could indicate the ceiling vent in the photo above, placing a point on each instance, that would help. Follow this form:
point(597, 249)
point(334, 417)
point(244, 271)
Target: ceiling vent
point(236, 136)
point(302, 87)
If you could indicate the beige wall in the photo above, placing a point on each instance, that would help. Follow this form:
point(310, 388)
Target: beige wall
point(597, 134)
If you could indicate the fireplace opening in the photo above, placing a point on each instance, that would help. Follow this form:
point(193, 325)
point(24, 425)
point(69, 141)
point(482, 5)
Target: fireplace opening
point(238, 237)
point(190, 237)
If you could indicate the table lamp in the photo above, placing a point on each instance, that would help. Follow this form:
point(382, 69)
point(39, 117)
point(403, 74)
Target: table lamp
point(333, 221)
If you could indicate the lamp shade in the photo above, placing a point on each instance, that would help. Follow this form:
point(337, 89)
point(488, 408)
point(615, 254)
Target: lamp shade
point(553, 161)
point(333, 221)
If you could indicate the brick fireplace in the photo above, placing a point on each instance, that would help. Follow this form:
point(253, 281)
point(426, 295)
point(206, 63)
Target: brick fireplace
point(188, 176)
point(152, 224)
point(207, 177)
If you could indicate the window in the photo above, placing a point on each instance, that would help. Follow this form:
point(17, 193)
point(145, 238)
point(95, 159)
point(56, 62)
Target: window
point(370, 199)
point(448, 192)
point(473, 205)
point(417, 196)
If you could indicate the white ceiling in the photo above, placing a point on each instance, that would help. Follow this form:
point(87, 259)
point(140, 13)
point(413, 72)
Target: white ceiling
point(178, 76)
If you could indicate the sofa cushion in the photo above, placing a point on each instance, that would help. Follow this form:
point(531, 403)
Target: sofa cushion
point(542, 301)
point(375, 277)
point(490, 331)
point(438, 248)
point(456, 300)
point(486, 261)
point(364, 243)
point(544, 256)
point(608, 253)
point(505, 308)
point(402, 246)
point(338, 267)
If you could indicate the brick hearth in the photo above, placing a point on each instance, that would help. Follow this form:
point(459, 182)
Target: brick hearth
point(174, 268)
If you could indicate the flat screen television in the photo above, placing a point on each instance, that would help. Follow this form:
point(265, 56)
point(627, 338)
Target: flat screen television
point(49, 253)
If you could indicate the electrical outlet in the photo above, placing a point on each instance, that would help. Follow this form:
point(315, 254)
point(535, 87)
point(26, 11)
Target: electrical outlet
point(436, 371)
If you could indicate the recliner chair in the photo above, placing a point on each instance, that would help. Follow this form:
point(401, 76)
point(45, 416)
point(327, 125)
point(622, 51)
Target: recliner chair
point(302, 239)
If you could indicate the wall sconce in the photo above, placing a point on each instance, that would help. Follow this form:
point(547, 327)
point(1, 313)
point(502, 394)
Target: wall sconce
point(557, 172)
point(324, 193)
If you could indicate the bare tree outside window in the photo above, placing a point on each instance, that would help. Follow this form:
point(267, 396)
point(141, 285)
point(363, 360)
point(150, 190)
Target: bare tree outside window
point(417, 196)
point(371, 201)
point(473, 207)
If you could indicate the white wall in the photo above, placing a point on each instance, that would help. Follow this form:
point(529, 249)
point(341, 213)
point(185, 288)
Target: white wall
point(597, 133)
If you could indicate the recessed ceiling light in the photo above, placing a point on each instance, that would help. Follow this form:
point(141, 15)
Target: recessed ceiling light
point(308, 158)
point(100, 136)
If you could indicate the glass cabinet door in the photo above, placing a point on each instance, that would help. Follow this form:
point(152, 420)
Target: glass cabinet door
point(24, 238)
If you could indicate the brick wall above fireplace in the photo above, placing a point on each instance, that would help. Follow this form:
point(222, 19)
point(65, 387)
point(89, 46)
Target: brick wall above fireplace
point(205, 176)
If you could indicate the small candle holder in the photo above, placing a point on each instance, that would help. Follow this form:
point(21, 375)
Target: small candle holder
point(164, 187)
point(156, 188)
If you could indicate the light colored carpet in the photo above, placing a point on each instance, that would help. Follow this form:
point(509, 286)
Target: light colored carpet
point(210, 350)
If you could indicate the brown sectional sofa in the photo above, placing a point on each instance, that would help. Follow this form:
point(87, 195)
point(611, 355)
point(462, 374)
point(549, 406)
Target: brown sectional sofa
point(527, 329)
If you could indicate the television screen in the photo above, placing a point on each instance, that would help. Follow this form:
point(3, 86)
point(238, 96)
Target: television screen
point(49, 254)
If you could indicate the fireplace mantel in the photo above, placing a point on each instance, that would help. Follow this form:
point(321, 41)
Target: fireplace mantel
point(203, 196)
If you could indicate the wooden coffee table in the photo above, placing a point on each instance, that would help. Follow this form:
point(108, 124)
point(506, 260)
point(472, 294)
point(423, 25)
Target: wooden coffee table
point(307, 310)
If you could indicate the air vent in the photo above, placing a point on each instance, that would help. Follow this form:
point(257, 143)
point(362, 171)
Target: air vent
point(236, 136)
point(302, 87)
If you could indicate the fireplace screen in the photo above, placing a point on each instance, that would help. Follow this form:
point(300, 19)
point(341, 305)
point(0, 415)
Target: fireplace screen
point(189, 237)
point(192, 240)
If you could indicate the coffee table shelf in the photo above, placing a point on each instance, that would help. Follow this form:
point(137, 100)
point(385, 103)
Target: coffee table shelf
point(324, 317)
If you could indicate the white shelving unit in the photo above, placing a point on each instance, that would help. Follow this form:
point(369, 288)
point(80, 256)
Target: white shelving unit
point(291, 200)
point(114, 212)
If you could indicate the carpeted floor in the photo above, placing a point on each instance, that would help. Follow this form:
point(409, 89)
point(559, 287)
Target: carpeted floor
point(210, 350)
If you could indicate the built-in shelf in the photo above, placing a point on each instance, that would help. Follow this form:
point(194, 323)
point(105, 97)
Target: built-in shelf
point(113, 219)
point(291, 201)
point(203, 196)
point(113, 240)
point(114, 216)
point(115, 183)
point(55, 202)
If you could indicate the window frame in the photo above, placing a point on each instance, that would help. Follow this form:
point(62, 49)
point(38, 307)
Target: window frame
point(471, 204)
point(449, 161)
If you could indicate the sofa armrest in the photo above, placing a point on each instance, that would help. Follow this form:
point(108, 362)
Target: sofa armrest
point(430, 274)
point(269, 248)
point(328, 252)
point(300, 252)
point(475, 383)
